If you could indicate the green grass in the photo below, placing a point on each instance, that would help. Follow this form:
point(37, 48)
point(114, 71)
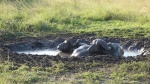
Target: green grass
point(125, 73)
point(102, 17)
point(11, 74)
point(91, 77)
point(136, 72)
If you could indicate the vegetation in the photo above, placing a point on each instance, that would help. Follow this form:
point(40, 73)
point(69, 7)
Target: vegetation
point(126, 73)
point(123, 18)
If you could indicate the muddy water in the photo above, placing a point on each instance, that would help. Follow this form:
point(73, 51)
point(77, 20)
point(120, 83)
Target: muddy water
point(54, 52)
point(130, 53)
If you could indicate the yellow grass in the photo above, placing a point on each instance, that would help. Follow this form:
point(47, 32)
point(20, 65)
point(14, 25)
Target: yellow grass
point(84, 8)
point(63, 14)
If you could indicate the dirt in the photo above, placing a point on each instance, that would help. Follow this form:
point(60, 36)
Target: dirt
point(6, 50)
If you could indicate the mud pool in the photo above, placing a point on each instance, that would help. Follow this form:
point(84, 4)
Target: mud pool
point(42, 51)
point(54, 52)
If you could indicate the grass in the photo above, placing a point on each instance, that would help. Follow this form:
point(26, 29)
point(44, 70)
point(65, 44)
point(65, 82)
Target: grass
point(136, 72)
point(11, 74)
point(125, 73)
point(102, 17)
point(91, 77)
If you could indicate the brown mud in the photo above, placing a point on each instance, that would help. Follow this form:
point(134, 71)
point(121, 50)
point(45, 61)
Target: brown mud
point(6, 53)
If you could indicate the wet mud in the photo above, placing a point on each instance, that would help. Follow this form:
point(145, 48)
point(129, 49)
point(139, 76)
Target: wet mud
point(7, 48)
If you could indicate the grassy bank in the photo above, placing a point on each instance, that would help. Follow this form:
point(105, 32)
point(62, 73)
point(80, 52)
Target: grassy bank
point(102, 17)
point(126, 73)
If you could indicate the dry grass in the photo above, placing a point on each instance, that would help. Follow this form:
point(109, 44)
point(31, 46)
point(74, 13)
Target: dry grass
point(74, 15)
point(42, 9)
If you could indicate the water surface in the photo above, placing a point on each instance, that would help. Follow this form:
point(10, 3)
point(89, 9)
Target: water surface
point(41, 52)
point(54, 52)
point(130, 53)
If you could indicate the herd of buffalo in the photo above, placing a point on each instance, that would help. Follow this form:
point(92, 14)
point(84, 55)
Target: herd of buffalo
point(82, 47)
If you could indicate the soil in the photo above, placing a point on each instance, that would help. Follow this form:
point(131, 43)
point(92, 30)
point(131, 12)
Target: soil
point(7, 54)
